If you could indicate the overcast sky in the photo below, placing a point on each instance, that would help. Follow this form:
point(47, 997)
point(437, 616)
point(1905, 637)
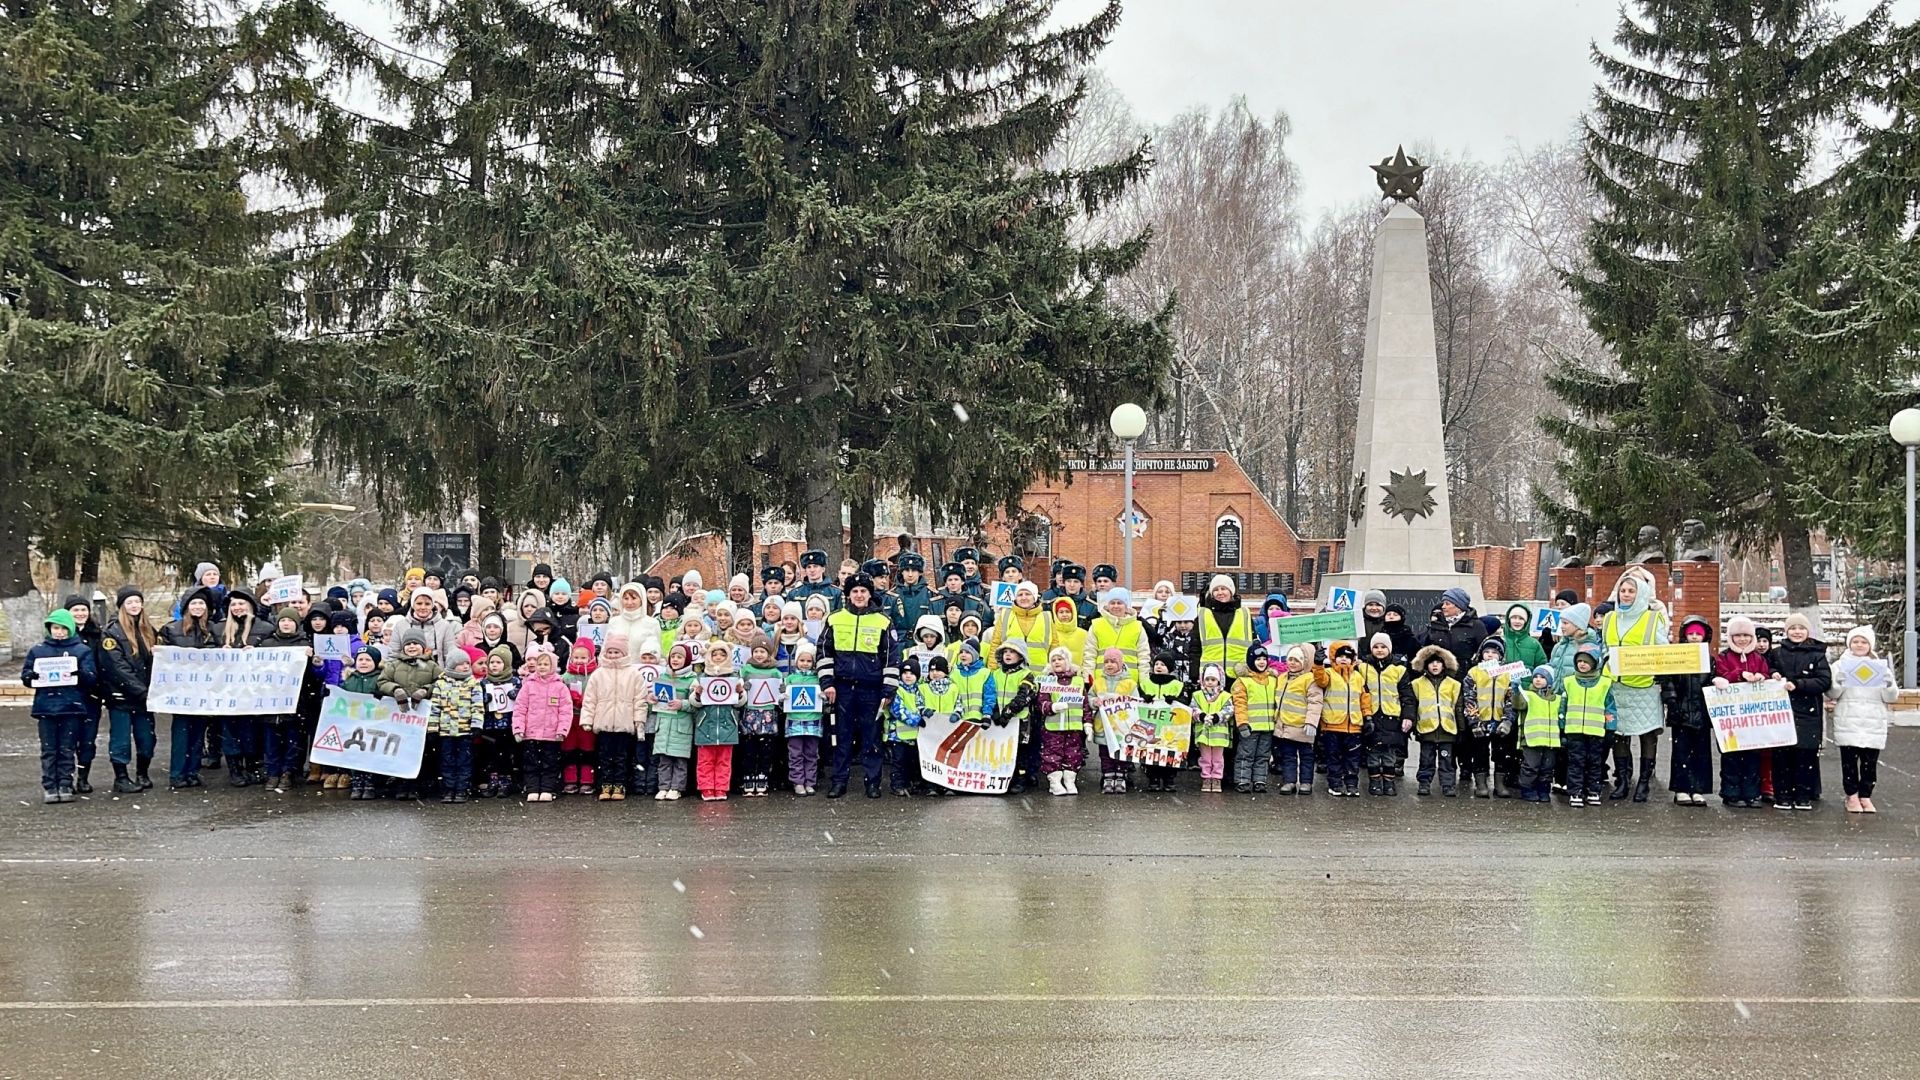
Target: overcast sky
point(1472, 77)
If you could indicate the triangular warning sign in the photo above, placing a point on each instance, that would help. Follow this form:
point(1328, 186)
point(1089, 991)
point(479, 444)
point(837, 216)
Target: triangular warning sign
point(329, 739)
point(763, 693)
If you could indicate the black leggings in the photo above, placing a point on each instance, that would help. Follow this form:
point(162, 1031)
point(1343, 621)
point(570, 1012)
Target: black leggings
point(1859, 768)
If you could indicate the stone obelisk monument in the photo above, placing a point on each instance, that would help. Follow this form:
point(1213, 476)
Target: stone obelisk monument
point(1401, 535)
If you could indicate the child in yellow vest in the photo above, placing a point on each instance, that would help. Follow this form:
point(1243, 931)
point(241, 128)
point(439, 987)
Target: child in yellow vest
point(1256, 702)
point(1064, 730)
point(1110, 681)
point(1297, 715)
point(1436, 705)
point(1478, 744)
point(1587, 714)
point(1212, 726)
point(1539, 734)
point(1343, 717)
point(1384, 670)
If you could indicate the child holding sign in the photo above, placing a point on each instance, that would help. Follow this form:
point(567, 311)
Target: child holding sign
point(716, 727)
point(1691, 774)
point(542, 716)
point(1212, 726)
point(61, 671)
point(363, 679)
point(1064, 730)
point(803, 721)
point(673, 735)
point(1742, 661)
point(493, 744)
point(760, 719)
point(1862, 689)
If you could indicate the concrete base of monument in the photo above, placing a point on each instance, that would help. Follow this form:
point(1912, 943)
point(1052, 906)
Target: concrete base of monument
point(1416, 593)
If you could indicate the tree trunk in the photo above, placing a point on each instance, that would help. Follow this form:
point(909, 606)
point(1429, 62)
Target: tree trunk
point(1796, 560)
point(89, 581)
point(492, 541)
point(741, 558)
point(860, 525)
point(16, 558)
point(820, 486)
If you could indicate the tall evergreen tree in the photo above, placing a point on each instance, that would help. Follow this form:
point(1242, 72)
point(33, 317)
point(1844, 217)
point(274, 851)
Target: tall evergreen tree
point(146, 390)
point(1701, 145)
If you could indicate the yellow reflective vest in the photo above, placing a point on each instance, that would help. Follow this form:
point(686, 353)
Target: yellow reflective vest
point(972, 691)
point(1438, 705)
point(1261, 696)
point(1213, 719)
point(1384, 685)
point(1347, 701)
point(1541, 727)
point(1032, 627)
point(1128, 637)
point(1585, 707)
point(1230, 651)
point(1644, 631)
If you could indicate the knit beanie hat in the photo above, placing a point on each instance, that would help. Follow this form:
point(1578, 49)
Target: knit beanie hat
point(412, 636)
point(1458, 597)
point(125, 593)
point(559, 588)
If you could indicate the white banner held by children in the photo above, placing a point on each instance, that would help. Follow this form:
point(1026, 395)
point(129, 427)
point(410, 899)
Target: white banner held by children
point(964, 756)
point(1750, 716)
point(369, 734)
point(226, 682)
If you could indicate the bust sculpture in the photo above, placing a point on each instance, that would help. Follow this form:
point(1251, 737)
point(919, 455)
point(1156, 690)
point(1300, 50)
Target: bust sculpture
point(1651, 549)
point(1570, 550)
point(1606, 550)
point(1693, 543)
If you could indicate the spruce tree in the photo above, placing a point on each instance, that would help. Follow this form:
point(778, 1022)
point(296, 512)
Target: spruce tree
point(147, 394)
point(1700, 146)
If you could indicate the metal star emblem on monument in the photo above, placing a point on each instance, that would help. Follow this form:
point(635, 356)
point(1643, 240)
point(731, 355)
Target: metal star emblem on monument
point(1408, 495)
point(1400, 176)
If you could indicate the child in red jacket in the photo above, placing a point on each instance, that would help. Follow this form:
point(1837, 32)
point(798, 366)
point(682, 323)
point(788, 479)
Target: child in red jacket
point(542, 716)
point(1743, 660)
point(576, 753)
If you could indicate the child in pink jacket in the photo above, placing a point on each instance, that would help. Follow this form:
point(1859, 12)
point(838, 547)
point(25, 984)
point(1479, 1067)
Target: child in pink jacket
point(542, 716)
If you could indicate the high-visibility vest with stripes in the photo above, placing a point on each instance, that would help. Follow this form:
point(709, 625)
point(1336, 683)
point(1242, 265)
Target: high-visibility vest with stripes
point(1587, 706)
point(1166, 691)
point(1542, 724)
point(1341, 709)
point(1640, 633)
point(1294, 698)
point(973, 693)
point(1038, 636)
point(1263, 700)
point(1384, 685)
point(940, 702)
point(861, 634)
point(1006, 685)
point(1230, 652)
point(1213, 719)
point(1489, 691)
point(1125, 637)
point(1063, 717)
point(907, 704)
point(1437, 704)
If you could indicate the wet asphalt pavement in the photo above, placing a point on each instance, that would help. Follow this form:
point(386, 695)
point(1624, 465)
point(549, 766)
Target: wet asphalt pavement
point(223, 933)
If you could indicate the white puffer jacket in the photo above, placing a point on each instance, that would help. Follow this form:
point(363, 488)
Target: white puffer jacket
point(1860, 713)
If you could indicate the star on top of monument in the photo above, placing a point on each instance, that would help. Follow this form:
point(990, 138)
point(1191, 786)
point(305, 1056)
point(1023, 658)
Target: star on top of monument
point(1400, 176)
point(1408, 495)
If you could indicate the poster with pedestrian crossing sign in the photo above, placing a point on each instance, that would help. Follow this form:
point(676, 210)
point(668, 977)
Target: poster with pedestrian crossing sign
point(1003, 593)
point(961, 755)
point(1343, 600)
point(369, 734)
point(803, 698)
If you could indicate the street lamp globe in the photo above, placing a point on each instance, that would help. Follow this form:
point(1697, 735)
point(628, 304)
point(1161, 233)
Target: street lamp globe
point(1129, 421)
point(1905, 426)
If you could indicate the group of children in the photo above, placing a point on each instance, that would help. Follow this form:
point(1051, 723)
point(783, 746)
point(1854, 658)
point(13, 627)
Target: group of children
point(531, 700)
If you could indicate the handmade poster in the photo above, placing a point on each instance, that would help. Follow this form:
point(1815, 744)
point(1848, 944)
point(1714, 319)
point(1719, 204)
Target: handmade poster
point(225, 682)
point(56, 671)
point(1318, 627)
point(1511, 671)
point(333, 647)
point(1865, 671)
point(719, 690)
point(1064, 695)
point(1750, 716)
point(1183, 609)
point(369, 734)
point(763, 693)
point(803, 698)
point(1112, 717)
point(284, 590)
point(1685, 659)
point(596, 633)
point(1547, 620)
point(1003, 593)
point(1158, 735)
point(961, 755)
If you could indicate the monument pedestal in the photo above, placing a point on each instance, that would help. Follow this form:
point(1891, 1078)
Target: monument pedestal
point(1689, 588)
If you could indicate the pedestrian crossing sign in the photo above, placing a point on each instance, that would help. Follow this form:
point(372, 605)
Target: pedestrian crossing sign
point(1343, 600)
point(1003, 593)
point(802, 698)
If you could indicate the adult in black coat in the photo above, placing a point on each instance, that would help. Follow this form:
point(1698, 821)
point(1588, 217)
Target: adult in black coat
point(1456, 627)
point(1802, 661)
point(87, 744)
point(127, 644)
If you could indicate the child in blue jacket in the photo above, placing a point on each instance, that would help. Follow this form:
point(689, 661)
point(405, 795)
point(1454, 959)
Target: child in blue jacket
point(60, 709)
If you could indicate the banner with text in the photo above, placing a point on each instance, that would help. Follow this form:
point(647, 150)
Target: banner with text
point(369, 734)
point(964, 756)
point(1156, 735)
point(1685, 659)
point(225, 682)
point(1750, 716)
point(1315, 628)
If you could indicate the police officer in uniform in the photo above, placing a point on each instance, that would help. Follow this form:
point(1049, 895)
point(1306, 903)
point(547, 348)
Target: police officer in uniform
point(773, 583)
point(953, 593)
point(912, 598)
point(881, 572)
point(969, 560)
point(1056, 589)
point(813, 580)
point(859, 669)
point(1013, 568)
point(1073, 582)
point(1104, 577)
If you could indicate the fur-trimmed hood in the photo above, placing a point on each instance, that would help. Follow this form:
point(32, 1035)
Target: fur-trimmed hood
point(1420, 660)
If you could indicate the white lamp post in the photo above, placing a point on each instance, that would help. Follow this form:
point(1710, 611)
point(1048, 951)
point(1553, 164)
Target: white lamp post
point(1129, 422)
point(1905, 429)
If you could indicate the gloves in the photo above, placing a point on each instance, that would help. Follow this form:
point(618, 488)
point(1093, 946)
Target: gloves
point(999, 718)
point(1087, 729)
point(1504, 728)
point(1406, 725)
